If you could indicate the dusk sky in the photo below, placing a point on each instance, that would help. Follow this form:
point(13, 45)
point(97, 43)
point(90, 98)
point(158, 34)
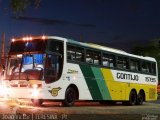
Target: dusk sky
point(118, 23)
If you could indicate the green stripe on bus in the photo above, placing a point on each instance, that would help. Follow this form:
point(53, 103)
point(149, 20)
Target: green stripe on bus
point(91, 82)
point(101, 83)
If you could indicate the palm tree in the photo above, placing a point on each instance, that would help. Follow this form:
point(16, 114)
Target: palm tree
point(20, 6)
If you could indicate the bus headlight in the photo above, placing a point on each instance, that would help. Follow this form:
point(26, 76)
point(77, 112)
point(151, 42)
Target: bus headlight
point(4, 90)
point(35, 93)
point(35, 86)
point(35, 90)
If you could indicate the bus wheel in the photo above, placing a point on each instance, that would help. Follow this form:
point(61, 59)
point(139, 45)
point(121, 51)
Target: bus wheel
point(140, 99)
point(132, 98)
point(70, 97)
point(37, 102)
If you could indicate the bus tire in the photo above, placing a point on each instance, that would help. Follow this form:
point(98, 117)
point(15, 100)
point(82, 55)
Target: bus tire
point(37, 102)
point(140, 98)
point(132, 98)
point(70, 97)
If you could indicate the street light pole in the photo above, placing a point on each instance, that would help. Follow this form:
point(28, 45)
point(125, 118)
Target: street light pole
point(2, 50)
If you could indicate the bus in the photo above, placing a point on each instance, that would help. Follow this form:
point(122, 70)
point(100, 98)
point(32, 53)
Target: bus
point(42, 68)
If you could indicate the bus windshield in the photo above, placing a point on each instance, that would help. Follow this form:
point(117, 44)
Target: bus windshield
point(27, 66)
point(28, 46)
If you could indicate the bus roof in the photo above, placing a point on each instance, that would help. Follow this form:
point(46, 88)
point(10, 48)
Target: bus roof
point(109, 49)
point(92, 45)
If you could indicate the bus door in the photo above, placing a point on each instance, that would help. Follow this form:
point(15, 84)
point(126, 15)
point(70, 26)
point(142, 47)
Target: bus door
point(52, 68)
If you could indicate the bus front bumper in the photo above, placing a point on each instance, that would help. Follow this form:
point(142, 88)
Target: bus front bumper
point(23, 93)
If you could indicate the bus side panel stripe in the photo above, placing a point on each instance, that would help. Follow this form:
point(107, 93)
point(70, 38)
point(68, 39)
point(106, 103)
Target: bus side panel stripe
point(91, 82)
point(108, 77)
point(101, 83)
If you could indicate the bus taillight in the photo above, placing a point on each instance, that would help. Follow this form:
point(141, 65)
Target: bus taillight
point(13, 40)
point(27, 38)
point(43, 37)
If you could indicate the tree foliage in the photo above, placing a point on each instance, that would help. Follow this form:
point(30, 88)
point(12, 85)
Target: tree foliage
point(20, 6)
point(151, 50)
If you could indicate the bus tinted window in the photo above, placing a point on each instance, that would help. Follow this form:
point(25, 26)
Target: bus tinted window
point(108, 60)
point(53, 65)
point(71, 52)
point(79, 54)
point(94, 57)
point(28, 46)
point(122, 63)
point(97, 58)
point(153, 68)
point(134, 65)
point(146, 67)
point(89, 56)
point(55, 46)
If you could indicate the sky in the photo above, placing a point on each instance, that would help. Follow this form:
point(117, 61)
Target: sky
point(120, 24)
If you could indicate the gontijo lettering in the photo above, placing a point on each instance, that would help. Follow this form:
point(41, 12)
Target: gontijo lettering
point(127, 76)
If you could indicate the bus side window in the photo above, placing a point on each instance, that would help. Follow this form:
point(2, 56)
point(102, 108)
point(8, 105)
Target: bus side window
point(56, 46)
point(108, 60)
point(79, 54)
point(97, 58)
point(112, 61)
point(89, 57)
point(71, 52)
point(134, 65)
point(105, 60)
point(122, 63)
point(146, 67)
point(52, 68)
point(153, 68)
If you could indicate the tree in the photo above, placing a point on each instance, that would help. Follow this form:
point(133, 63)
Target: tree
point(151, 50)
point(20, 6)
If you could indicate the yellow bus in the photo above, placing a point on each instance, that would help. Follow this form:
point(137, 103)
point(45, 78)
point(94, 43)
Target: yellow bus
point(44, 68)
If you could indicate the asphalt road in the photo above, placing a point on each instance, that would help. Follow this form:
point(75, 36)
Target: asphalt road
point(24, 110)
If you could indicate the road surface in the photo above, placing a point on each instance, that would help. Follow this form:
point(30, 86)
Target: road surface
point(24, 110)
